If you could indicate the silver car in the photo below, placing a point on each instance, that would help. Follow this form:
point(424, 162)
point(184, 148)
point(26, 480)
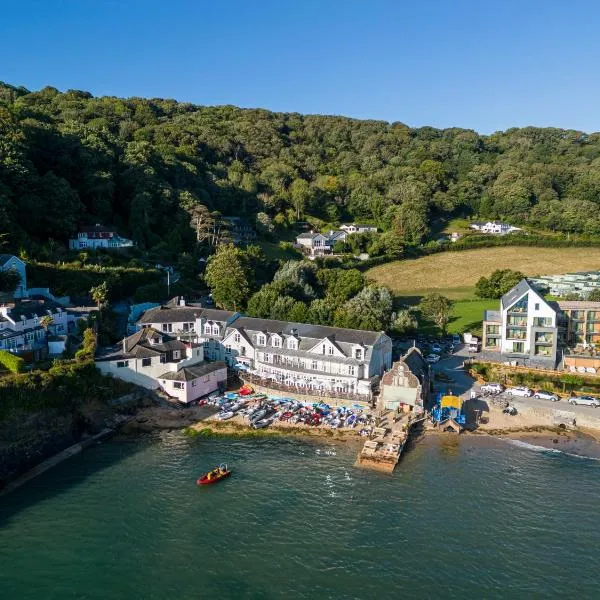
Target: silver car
point(524, 392)
point(584, 401)
point(543, 395)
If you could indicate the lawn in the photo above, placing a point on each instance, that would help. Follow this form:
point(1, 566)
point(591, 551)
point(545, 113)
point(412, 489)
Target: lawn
point(454, 274)
point(467, 315)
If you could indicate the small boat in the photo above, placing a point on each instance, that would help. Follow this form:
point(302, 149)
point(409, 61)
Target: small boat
point(215, 475)
point(223, 416)
point(245, 390)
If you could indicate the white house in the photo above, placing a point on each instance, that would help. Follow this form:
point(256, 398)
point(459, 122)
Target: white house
point(493, 227)
point(309, 356)
point(156, 360)
point(98, 236)
point(319, 244)
point(21, 330)
point(10, 262)
point(358, 228)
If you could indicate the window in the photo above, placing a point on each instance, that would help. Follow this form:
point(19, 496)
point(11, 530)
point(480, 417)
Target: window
point(228, 349)
point(537, 306)
point(313, 365)
point(266, 357)
point(146, 362)
point(215, 330)
point(163, 358)
point(323, 349)
point(194, 382)
point(207, 329)
point(122, 363)
point(261, 340)
point(176, 353)
point(351, 370)
point(276, 342)
point(236, 338)
point(178, 385)
point(358, 353)
point(242, 350)
point(167, 327)
point(330, 350)
point(292, 344)
point(82, 244)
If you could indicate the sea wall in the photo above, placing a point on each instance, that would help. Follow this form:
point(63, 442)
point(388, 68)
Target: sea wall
point(307, 398)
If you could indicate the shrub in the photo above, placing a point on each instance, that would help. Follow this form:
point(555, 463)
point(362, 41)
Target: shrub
point(15, 364)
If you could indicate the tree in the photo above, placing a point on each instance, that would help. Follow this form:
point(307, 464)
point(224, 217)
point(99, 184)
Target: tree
point(88, 346)
point(100, 294)
point(571, 381)
point(498, 283)
point(436, 308)
point(370, 309)
point(405, 322)
point(9, 280)
point(46, 322)
point(300, 192)
point(227, 275)
point(594, 295)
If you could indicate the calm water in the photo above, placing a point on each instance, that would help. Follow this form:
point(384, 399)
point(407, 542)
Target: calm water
point(466, 518)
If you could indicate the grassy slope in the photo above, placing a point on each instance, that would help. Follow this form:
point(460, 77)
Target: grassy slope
point(454, 274)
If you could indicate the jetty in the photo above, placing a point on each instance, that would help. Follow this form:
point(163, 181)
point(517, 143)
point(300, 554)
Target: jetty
point(383, 449)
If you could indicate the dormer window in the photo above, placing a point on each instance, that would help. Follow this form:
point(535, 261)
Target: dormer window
point(292, 344)
point(276, 342)
point(207, 329)
point(358, 353)
point(261, 340)
point(215, 330)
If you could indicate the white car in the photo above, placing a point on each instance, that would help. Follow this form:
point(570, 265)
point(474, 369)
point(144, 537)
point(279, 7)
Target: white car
point(524, 392)
point(492, 388)
point(432, 358)
point(584, 401)
point(436, 348)
point(542, 395)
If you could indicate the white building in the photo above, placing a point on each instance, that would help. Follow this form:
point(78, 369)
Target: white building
point(9, 262)
point(156, 360)
point(357, 228)
point(98, 236)
point(318, 244)
point(21, 330)
point(493, 227)
point(298, 354)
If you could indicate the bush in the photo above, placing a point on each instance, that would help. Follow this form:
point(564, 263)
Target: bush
point(14, 364)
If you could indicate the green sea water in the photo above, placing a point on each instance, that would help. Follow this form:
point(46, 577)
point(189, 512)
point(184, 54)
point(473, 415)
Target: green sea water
point(460, 518)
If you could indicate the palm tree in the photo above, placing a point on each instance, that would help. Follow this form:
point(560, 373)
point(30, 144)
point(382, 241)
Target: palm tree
point(100, 294)
point(46, 322)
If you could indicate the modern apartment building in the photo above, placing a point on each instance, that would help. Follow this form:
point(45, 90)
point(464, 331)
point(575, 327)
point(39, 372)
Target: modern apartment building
point(529, 328)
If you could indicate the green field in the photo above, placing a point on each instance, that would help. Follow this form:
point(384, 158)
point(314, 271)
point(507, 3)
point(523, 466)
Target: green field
point(467, 315)
point(454, 274)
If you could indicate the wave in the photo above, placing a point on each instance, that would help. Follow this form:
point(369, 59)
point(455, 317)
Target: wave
point(535, 448)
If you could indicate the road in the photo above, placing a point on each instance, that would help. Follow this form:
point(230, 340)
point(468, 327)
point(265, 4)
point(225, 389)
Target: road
point(462, 384)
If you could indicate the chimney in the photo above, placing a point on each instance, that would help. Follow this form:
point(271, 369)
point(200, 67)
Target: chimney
point(181, 301)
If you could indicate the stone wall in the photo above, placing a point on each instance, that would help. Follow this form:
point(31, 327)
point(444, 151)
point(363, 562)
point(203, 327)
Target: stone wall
point(307, 398)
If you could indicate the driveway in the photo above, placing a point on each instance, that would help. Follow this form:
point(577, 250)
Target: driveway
point(452, 366)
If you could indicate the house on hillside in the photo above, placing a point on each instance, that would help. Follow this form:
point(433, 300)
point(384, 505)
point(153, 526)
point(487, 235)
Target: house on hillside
point(351, 228)
point(9, 262)
point(493, 227)
point(156, 360)
point(319, 244)
point(98, 236)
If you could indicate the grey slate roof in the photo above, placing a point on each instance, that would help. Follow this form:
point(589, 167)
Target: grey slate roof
point(494, 316)
point(513, 295)
point(306, 330)
point(180, 314)
point(191, 373)
point(417, 365)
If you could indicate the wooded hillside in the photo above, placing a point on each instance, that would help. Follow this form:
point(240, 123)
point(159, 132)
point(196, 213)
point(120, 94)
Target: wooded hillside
point(147, 165)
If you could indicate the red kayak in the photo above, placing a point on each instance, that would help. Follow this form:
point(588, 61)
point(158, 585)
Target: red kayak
point(213, 476)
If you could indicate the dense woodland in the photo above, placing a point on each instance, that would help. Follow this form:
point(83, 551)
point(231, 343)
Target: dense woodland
point(158, 168)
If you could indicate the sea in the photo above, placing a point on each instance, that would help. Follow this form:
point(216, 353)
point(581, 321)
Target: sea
point(461, 517)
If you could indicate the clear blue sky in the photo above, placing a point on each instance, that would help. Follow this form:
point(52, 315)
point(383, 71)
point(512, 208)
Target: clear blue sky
point(485, 64)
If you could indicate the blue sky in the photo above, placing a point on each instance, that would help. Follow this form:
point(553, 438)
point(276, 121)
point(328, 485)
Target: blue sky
point(485, 65)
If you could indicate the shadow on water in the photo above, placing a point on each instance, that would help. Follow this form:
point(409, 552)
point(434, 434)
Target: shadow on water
point(63, 477)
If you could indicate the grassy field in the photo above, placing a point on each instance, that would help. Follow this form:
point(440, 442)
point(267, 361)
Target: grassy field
point(467, 315)
point(454, 274)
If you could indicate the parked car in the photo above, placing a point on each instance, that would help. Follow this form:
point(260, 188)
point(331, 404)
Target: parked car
point(492, 388)
point(456, 339)
point(584, 401)
point(432, 358)
point(543, 395)
point(522, 391)
point(436, 348)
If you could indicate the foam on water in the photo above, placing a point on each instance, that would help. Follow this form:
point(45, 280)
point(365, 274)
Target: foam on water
point(536, 448)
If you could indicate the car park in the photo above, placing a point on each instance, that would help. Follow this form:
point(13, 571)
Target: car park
point(492, 388)
point(523, 392)
point(544, 395)
point(584, 401)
